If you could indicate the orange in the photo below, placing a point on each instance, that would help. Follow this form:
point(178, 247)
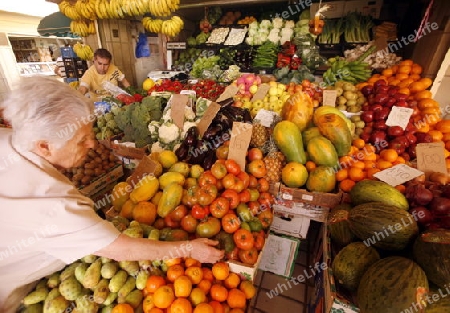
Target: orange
point(371, 171)
point(181, 305)
point(406, 62)
point(414, 77)
point(447, 144)
point(248, 288)
point(217, 307)
point(197, 296)
point(342, 174)
point(394, 69)
point(346, 161)
point(346, 185)
point(437, 135)
point(405, 82)
point(144, 212)
point(401, 76)
point(401, 188)
point(404, 91)
point(427, 103)
point(236, 310)
point(404, 69)
point(127, 209)
point(400, 160)
point(353, 150)
point(387, 72)
point(369, 164)
point(182, 286)
point(416, 69)
point(369, 156)
point(358, 164)
point(163, 297)
point(423, 127)
point(356, 174)
point(174, 272)
point(236, 299)
point(204, 285)
point(383, 164)
point(232, 281)
point(310, 165)
point(427, 81)
point(188, 262)
point(416, 87)
point(153, 283)
point(424, 94)
point(447, 163)
point(170, 262)
point(207, 274)
point(155, 310)
point(389, 155)
point(122, 308)
point(370, 148)
point(358, 143)
point(220, 270)
point(394, 82)
point(147, 303)
point(203, 308)
point(218, 293)
point(195, 273)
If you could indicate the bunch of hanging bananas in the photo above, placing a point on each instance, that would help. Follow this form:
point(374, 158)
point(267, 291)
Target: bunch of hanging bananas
point(83, 51)
point(69, 10)
point(152, 25)
point(86, 9)
point(163, 7)
point(172, 27)
point(113, 9)
point(82, 28)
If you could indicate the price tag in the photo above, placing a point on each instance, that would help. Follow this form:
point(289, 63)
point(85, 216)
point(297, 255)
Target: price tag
point(207, 117)
point(398, 174)
point(265, 117)
point(177, 104)
point(241, 133)
point(146, 167)
point(228, 93)
point(381, 43)
point(329, 98)
point(262, 91)
point(431, 157)
point(399, 116)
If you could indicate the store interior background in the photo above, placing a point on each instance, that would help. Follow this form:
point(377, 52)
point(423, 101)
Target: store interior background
point(120, 36)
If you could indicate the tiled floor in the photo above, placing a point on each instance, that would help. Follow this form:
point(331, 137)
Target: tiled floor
point(293, 297)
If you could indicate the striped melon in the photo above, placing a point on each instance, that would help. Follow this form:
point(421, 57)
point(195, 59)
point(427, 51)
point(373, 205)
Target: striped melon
point(383, 226)
point(439, 302)
point(340, 232)
point(432, 252)
point(392, 285)
point(372, 190)
point(351, 263)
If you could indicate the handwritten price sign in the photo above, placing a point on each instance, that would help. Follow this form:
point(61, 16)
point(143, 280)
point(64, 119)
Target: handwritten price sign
point(431, 157)
point(399, 116)
point(398, 174)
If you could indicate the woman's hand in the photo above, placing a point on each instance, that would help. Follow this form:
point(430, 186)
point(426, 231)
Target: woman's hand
point(203, 250)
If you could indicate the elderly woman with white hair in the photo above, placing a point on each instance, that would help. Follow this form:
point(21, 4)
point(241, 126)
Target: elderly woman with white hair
point(45, 222)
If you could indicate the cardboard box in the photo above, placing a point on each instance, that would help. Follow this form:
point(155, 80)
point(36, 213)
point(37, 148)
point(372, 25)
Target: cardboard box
point(102, 181)
point(244, 270)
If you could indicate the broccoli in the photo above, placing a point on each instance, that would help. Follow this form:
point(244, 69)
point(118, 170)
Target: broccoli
point(123, 118)
point(111, 124)
point(108, 116)
point(101, 122)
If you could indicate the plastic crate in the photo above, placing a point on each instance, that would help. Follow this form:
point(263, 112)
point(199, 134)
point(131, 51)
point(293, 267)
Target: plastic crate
point(67, 52)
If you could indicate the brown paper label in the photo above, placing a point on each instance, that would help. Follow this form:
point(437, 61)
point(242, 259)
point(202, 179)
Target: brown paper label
point(229, 92)
point(146, 167)
point(381, 43)
point(262, 91)
point(177, 104)
point(241, 134)
point(431, 157)
point(207, 117)
point(329, 98)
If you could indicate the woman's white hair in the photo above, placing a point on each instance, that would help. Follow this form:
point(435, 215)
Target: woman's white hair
point(43, 108)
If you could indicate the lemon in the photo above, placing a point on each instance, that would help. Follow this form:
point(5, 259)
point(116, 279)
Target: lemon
point(148, 84)
point(167, 158)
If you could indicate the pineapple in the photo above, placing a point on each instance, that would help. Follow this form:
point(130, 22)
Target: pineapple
point(274, 161)
point(260, 135)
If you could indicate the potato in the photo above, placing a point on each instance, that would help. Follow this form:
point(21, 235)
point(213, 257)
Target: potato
point(86, 180)
point(89, 172)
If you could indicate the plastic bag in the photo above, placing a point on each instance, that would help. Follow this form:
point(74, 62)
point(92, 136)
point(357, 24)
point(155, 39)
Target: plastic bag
point(142, 47)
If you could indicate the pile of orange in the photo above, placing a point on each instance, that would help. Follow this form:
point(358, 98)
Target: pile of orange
point(363, 162)
point(190, 287)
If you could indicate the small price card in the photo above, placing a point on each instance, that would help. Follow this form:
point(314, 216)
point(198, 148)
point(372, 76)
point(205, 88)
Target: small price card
point(241, 133)
point(431, 157)
point(329, 98)
point(399, 116)
point(228, 93)
point(262, 91)
point(178, 104)
point(398, 174)
point(265, 117)
point(207, 117)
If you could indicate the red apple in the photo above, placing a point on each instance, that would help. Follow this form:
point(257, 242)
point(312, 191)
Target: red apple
point(395, 131)
point(377, 137)
point(367, 90)
point(412, 150)
point(400, 96)
point(365, 137)
point(411, 137)
point(381, 114)
point(390, 102)
point(381, 97)
point(401, 104)
point(423, 137)
point(367, 116)
point(376, 107)
point(380, 125)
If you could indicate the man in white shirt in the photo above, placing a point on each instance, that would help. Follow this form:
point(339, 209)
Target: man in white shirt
point(46, 222)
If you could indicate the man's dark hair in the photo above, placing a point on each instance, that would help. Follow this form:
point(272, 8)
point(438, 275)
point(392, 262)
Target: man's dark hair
point(103, 53)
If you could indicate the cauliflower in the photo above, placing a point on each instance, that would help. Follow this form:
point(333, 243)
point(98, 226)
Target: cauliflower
point(168, 133)
point(289, 24)
point(189, 114)
point(265, 24)
point(156, 147)
point(277, 22)
point(166, 116)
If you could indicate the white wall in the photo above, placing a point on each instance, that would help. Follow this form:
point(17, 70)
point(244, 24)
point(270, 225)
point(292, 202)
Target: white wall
point(20, 24)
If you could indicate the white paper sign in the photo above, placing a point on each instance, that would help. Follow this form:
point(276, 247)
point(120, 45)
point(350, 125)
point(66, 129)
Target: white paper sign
point(329, 98)
point(399, 116)
point(278, 255)
point(398, 174)
point(265, 117)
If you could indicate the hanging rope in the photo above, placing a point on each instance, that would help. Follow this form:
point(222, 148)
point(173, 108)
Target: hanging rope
point(424, 21)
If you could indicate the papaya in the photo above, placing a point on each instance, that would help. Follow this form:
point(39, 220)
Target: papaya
point(299, 109)
point(321, 151)
point(169, 177)
point(288, 138)
point(120, 193)
point(334, 128)
point(171, 197)
point(321, 179)
point(145, 189)
point(309, 134)
point(327, 109)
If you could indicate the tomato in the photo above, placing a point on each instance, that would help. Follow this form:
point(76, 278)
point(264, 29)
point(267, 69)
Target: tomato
point(199, 211)
point(257, 168)
point(206, 194)
point(219, 207)
point(232, 166)
point(255, 154)
point(249, 256)
point(260, 239)
point(230, 223)
point(254, 194)
point(253, 182)
point(178, 213)
point(254, 207)
point(244, 196)
point(219, 170)
point(245, 178)
point(206, 178)
point(222, 152)
point(255, 224)
point(266, 218)
point(243, 239)
point(170, 222)
point(263, 185)
point(230, 181)
point(232, 196)
point(266, 200)
point(208, 228)
point(190, 196)
point(244, 212)
point(189, 223)
point(159, 223)
point(233, 255)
